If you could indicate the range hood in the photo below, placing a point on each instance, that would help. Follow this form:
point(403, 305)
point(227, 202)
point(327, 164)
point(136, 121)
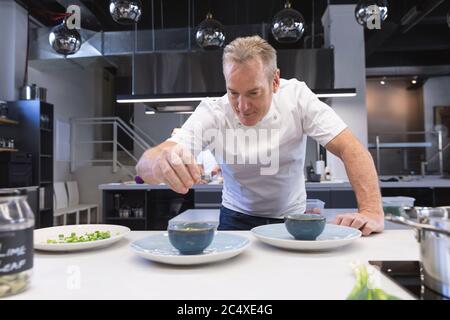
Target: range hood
point(166, 80)
point(177, 98)
point(169, 70)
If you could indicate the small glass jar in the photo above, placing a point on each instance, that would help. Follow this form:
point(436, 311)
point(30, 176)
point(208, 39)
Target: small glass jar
point(16, 242)
point(3, 109)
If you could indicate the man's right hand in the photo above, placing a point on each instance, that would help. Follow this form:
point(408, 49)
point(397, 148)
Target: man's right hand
point(171, 164)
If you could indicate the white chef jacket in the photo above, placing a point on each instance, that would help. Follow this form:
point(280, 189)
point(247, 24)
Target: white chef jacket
point(206, 158)
point(295, 112)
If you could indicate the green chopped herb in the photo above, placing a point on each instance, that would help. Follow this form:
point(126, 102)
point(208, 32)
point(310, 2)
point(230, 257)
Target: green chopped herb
point(73, 238)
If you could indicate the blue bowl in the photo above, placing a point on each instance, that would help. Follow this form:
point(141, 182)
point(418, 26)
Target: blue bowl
point(191, 237)
point(305, 226)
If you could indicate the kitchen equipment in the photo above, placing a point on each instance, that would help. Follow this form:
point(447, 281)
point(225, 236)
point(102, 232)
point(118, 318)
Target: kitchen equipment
point(117, 201)
point(3, 109)
point(305, 226)
point(33, 92)
point(311, 176)
point(333, 236)
point(158, 248)
point(16, 169)
point(191, 237)
point(320, 167)
point(16, 241)
point(125, 212)
point(314, 206)
point(137, 211)
point(409, 276)
point(397, 205)
point(42, 235)
point(45, 121)
point(433, 234)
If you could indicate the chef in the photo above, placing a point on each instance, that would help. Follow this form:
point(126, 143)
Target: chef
point(257, 133)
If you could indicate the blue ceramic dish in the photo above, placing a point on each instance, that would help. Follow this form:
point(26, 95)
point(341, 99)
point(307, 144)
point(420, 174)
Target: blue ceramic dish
point(305, 226)
point(191, 237)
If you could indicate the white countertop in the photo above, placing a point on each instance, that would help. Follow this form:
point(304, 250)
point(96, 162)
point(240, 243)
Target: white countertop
point(417, 182)
point(260, 272)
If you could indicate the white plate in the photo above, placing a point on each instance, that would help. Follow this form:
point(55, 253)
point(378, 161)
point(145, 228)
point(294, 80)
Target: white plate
point(42, 235)
point(158, 248)
point(333, 236)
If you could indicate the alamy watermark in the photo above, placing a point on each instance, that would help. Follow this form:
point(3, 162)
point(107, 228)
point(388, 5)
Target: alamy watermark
point(249, 146)
point(74, 20)
point(73, 281)
point(374, 19)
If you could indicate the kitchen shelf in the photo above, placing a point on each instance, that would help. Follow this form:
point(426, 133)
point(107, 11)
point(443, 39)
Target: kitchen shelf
point(8, 150)
point(8, 121)
point(32, 136)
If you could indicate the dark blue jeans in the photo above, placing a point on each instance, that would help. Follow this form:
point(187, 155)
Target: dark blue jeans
point(233, 220)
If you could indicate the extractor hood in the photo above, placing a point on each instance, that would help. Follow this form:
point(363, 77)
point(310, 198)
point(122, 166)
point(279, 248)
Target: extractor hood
point(165, 80)
point(156, 99)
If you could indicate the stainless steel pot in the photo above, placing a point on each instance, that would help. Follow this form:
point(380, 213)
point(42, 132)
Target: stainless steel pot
point(33, 92)
point(433, 233)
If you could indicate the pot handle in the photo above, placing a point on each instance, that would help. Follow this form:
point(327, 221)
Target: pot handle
point(416, 225)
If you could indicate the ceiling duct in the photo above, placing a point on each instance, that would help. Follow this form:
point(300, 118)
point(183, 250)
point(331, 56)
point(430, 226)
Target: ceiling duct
point(417, 13)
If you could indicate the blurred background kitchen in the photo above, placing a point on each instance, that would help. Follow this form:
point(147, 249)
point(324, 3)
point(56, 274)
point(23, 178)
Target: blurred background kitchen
point(79, 106)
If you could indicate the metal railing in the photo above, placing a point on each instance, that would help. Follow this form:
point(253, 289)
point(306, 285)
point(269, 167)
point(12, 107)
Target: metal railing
point(143, 133)
point(118, 125)
point(378, 145)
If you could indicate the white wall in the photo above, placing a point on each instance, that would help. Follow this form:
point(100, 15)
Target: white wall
point(75, 92)
point(347, 37)
point(13, 44)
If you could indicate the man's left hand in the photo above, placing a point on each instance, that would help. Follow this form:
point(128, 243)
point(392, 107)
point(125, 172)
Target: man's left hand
point(367, 223)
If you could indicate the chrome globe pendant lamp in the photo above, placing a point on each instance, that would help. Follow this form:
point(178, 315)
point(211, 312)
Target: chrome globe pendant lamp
point(125, 11)
point(63, 40)
point(288, 25)
point(366, 10)
point(210, 33)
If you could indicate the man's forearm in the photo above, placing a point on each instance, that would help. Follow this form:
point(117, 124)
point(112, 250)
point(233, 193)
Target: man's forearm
point(363, 178)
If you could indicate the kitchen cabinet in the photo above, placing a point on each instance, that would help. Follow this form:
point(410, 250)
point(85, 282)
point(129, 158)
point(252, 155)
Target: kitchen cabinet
point(208, 199)
point(343, 199)
point(164, 205)
point(157, 206)
point(442, 196)
point(32, 163)
point(324, 195)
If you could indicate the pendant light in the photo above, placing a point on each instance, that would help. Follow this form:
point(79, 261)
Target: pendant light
point(125, 11)
point(210, 33)
point(288, 25)
point(63, 40)
point(365, 10)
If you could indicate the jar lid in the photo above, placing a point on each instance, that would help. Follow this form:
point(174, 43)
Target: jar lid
point(12, 192)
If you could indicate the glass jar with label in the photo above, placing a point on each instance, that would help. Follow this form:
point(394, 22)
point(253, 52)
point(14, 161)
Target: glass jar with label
point(16, 241)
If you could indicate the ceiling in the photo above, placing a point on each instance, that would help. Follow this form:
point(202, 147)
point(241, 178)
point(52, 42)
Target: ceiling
point(425, 43)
